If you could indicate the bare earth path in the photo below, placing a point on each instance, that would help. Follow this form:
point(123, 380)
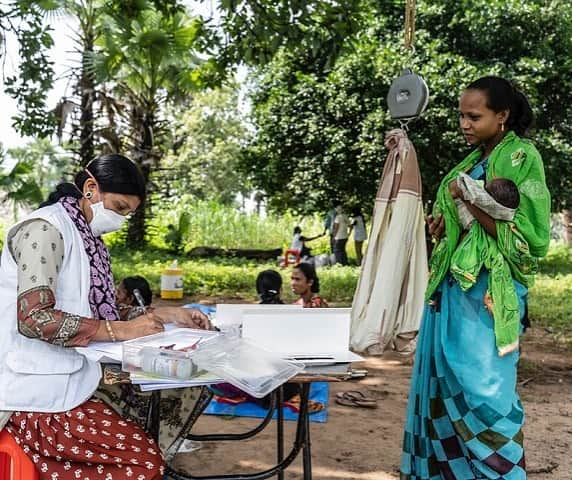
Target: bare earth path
point(364, 444)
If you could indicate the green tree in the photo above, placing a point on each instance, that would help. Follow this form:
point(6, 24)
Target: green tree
point(208, 141)
point(320, 134)
point(148, 57)
point(24, 22)
point(18, 184)
point(49, 164)
point(252, 32)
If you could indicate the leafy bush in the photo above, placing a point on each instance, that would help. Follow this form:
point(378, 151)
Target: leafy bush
point(216, 225)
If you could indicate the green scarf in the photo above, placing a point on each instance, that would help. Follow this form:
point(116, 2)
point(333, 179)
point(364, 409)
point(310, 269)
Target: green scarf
point(519, 243)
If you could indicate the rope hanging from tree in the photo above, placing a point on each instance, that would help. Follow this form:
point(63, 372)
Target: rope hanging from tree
point(409, 23)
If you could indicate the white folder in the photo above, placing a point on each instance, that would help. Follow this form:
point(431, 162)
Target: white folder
point(318, 336)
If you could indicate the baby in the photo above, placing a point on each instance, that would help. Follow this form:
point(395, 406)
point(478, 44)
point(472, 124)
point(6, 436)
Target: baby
point(504, 191)
point(499, 198)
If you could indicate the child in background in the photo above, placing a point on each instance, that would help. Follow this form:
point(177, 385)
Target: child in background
point(124, 291)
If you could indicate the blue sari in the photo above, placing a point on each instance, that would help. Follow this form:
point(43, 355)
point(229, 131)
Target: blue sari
point(464, 416)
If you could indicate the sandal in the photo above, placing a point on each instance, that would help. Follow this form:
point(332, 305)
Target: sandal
point(355, 398)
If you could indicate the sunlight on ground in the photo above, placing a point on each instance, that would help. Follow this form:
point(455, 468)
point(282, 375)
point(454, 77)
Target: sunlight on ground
point(326, 473)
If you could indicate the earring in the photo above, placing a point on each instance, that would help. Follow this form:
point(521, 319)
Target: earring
point(502, 127)
point(88, 195)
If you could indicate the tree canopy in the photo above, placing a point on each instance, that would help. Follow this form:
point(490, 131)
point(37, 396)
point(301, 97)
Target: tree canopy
point(320, 134)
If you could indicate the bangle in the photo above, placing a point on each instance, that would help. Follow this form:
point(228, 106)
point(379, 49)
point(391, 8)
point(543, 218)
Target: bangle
point(110, 331)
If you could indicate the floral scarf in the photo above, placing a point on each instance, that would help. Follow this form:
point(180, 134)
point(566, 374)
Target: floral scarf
point(101, 291)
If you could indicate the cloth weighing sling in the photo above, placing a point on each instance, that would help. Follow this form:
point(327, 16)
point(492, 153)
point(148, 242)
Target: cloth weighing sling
point(388, 302)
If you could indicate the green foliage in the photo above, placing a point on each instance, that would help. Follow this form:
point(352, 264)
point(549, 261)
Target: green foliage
point(148, 56)
point(48, 162)
point(320, 133)
point(34, 76)
point(207, 143)
point(252, 32)
point(215, 225)
point(178, 233)
point(551, 296)
point(19, 186)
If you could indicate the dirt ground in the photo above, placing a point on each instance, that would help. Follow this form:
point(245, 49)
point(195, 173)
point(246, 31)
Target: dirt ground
point(365, 444)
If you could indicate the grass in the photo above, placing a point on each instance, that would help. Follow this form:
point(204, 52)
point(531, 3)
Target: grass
point(216, 225)
point(226, 278)
point(551, 296)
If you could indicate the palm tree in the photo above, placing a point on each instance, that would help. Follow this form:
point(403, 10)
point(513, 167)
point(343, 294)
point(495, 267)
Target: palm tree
point(148, 57)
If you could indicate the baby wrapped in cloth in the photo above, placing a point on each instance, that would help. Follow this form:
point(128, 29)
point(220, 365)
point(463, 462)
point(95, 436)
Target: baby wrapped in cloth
point(499, 198)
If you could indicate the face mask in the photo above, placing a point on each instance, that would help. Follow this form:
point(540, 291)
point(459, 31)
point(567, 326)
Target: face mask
point(105, 220)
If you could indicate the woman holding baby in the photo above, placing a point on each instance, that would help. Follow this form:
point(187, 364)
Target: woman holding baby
point(464, 418)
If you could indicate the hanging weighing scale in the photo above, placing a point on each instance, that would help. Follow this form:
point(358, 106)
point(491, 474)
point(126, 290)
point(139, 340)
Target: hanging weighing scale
point(408, 95)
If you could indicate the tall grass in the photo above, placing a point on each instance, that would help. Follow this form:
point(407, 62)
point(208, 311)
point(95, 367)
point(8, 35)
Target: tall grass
point(216, 225)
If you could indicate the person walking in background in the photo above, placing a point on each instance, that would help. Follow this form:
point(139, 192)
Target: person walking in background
point(360, 233)
point(329, 226)
point(340, 233)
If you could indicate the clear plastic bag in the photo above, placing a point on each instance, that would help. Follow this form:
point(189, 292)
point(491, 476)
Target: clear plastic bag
point(244, 365)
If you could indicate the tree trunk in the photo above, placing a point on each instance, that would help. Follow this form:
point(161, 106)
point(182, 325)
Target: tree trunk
point(567, 226)
point(86, 89)
point(143, 156)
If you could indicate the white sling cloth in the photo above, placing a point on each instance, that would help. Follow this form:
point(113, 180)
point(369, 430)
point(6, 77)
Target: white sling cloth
point(389, 299)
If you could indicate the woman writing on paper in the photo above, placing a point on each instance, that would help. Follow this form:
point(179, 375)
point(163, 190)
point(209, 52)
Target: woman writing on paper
point(56, 293)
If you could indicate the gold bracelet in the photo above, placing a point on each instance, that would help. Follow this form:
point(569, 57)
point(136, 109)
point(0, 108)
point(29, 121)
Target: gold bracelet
point(110, 331)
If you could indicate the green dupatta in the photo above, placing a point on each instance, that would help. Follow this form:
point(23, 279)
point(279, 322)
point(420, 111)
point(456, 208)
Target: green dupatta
point(519, 243)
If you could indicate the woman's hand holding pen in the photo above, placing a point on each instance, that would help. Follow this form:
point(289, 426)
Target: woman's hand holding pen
point(141, 326)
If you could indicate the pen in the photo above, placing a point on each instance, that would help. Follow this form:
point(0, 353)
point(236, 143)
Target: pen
point(139, 298)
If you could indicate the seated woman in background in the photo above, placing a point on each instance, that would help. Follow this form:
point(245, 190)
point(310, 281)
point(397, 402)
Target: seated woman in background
point(305, 283)
point(124, 292)
point(269, 287)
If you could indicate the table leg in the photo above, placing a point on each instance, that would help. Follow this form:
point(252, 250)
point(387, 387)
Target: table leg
point(153, 420)
point(306, 452)
point(280, 428)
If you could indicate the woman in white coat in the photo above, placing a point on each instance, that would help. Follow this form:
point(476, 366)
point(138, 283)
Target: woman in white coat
point(56, 293)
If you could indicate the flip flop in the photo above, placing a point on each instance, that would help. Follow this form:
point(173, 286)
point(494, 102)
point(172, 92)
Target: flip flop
point(355, 403)
point(355, 395)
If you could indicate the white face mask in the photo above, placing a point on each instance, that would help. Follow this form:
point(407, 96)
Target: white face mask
point(105, 220)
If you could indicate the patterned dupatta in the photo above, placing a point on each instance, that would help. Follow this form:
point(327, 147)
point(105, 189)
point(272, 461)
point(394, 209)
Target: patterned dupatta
point(102, 290)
